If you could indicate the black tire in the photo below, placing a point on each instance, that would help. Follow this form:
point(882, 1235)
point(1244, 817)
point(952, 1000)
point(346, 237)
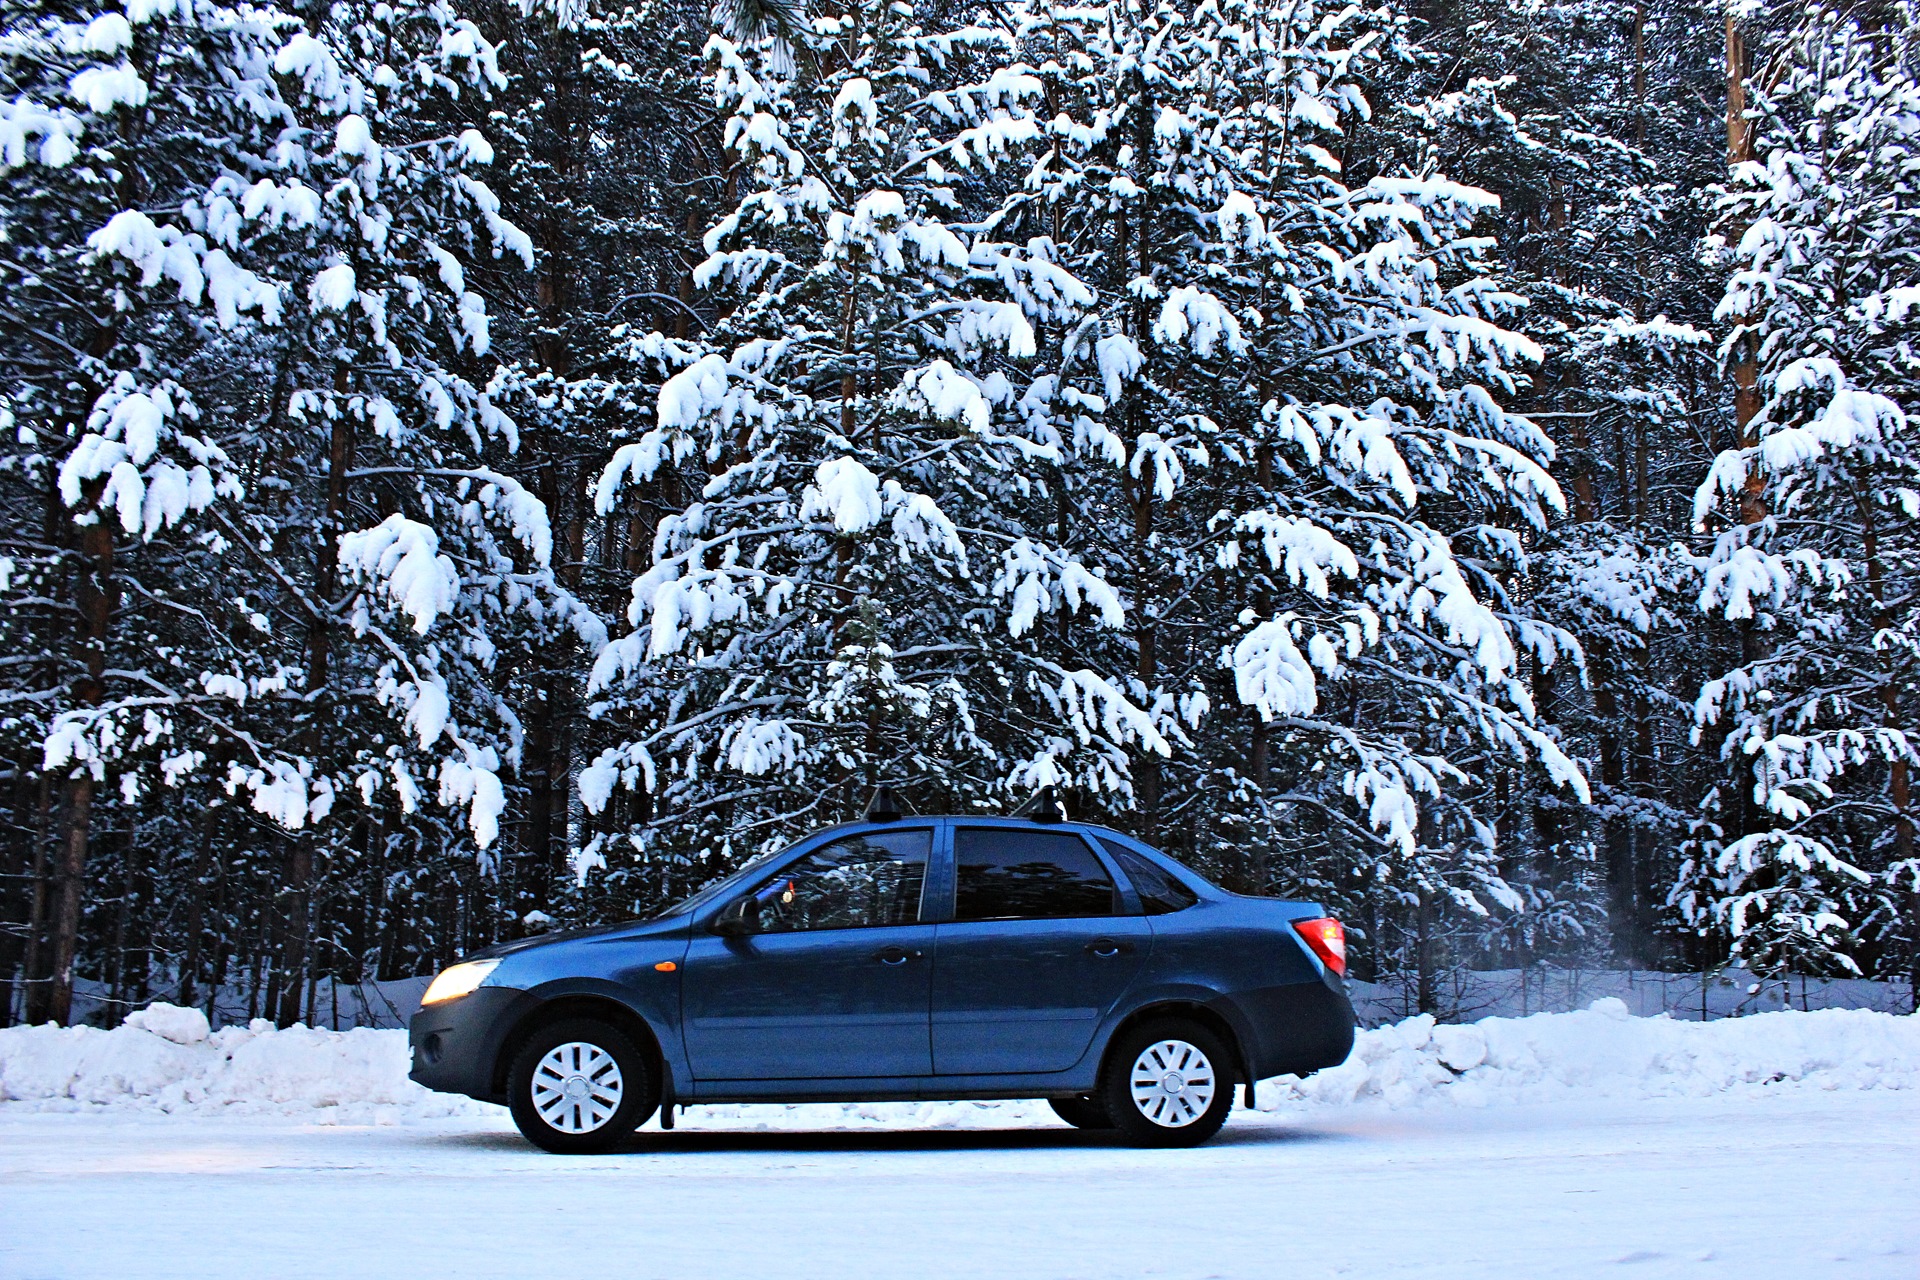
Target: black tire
point(1170, 1120)
point(1083, 1112)
point(632, 1088)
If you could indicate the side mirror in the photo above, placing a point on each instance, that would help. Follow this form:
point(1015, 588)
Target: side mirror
point(738, 919)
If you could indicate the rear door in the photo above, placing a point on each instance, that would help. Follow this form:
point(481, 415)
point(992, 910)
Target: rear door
point(1037, 952)
point(835, 984)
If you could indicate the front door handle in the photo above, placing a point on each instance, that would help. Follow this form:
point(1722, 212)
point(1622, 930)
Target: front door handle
point(1106, 947)
point(895, 955)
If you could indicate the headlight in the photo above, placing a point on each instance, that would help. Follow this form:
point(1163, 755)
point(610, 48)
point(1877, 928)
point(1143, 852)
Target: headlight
point(458, 981)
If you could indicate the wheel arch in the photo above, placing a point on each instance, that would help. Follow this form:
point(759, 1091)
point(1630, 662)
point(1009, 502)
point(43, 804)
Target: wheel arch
point(1193, 1010)
point(576, 1004)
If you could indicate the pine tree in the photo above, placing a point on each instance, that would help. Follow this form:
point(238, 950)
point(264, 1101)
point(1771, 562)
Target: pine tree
point(119, 274)
point(840, 594)
point(1299, 366)
point(1803, 858)
point(270, 442)
point(608, 155)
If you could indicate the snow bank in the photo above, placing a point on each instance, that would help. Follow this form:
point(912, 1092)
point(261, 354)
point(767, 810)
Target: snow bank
point(164, 1058)
point(1604, 1050)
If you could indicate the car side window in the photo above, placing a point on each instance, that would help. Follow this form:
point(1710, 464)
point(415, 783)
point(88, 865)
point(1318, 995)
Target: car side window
point(1159, 891)
point(857, 882)
point(1005, 873)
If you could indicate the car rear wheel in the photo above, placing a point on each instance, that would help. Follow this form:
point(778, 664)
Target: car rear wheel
point(1168, 1083)
point(1083, 1112)
point(580, 1087)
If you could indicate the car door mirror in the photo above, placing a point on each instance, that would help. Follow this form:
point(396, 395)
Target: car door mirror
point(738, 919)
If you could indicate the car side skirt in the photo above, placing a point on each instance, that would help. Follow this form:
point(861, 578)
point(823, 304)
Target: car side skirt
point(915, 1089)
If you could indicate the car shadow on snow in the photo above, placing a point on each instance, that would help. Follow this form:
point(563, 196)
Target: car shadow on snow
point(695, 1141)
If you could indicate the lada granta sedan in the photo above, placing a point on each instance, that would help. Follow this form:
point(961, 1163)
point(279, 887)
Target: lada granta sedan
point(910, 958)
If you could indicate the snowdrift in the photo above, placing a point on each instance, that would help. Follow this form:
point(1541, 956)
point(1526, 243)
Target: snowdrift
point(165, 1059)
point(1604, 1050)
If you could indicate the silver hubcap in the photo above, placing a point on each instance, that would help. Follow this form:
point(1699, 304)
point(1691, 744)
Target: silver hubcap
point(577, 1087)
point(1172, 1083)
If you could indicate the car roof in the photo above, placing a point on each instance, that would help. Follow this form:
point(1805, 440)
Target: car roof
point(971, 819)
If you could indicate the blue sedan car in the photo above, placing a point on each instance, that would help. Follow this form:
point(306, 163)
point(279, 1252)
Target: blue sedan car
point(905, 958)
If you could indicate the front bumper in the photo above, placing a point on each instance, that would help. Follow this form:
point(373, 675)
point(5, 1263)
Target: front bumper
point(456, 1045)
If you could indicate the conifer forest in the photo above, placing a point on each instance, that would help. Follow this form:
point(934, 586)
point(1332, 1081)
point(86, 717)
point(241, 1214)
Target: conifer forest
point(475, 467)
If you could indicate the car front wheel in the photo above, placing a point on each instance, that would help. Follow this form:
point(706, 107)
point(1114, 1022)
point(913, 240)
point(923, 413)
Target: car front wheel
point(580, 1087)
point(1168, 1084)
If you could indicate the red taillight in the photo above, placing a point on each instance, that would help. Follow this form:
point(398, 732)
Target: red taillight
point(1328, 939)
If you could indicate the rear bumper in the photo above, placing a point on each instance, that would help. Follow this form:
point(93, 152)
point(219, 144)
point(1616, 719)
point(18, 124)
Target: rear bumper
point(1296, 1029)
point(456, 1045)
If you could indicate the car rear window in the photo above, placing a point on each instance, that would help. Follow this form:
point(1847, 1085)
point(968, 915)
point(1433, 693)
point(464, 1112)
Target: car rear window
point(1009, 874)
point(1160, 892)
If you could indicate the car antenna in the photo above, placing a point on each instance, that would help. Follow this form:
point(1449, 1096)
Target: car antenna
point(886, 806)
point(1044, 806)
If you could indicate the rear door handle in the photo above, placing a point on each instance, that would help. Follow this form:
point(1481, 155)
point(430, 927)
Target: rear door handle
point(895, 955)
point(1105, 947)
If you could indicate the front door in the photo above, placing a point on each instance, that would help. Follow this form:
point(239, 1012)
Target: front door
point(1035, 956)
point(835, 982)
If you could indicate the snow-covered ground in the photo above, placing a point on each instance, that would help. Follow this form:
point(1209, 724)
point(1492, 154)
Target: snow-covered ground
point(1585, 1144)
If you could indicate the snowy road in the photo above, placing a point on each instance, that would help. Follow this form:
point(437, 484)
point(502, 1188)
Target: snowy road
point(1789, 1184)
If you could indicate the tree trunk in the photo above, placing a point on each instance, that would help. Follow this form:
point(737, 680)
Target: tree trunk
point(122, 924)
point(1647, 895)
point(273, 931)
point(1622, 909)
point(1640, 73)
point(224, 941)
point(541, 763)
point(263, 946)
point(849, 382)
point(544, 756)
point(1899, 784)
point(1586, 503)
point(33, 1006)
point(96, 595)
point(1257, 756)
point(296, 924)
point(1146, 765)
point(683, 320)
point(1426, 972)
point(296, 930)
point(1746, 391)
point(199, 888)
point(69, 882)
point(17, 869)
point(327, 565)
